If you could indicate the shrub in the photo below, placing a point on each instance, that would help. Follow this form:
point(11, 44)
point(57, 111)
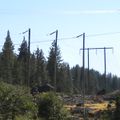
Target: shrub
point(14, 101)
point(117, 110)
point(50, 107)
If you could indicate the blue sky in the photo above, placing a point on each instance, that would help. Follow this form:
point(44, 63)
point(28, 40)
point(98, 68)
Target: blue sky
point(71, 18)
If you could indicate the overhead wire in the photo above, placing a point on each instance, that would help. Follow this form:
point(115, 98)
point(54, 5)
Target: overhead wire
point(75, 37)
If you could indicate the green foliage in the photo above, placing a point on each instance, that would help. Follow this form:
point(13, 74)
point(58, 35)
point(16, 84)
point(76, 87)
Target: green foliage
point(41, 73)
point(14, 101)
point(106, 115)
point(14, 70)
point(7, 59)
point(64, 79)
point(23, 51)
point(17, 104)
point(117, 110)
point(112, 114)
point(27, 116)
point(50, 107)
point(22, 62)
point(77, 78)
point(51, 62)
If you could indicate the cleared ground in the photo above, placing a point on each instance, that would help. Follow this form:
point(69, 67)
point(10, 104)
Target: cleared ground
point(93, 106)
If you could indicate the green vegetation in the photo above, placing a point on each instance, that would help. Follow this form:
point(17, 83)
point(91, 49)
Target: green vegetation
point(14, 70)
point(117, 110)
point(51, 108)
point(112, 114)
point(15, 101)
point(17, 104)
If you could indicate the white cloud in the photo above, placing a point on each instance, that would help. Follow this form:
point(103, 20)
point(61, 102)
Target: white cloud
point(77, 12)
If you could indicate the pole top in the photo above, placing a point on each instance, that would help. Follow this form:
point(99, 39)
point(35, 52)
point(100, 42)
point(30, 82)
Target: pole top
point(83, 34)
point(53, 32)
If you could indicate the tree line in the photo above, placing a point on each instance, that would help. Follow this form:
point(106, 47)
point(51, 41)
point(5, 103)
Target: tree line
point(14, 70)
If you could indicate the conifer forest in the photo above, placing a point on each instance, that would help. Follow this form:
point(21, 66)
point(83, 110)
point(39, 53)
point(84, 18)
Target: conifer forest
point(24, 71)
point(30, 70)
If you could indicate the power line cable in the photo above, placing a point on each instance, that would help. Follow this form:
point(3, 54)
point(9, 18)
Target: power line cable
point(68, 38)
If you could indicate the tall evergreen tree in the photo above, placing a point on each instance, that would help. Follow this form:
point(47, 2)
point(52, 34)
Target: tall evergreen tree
point(41, 73)
point(15, 71)
point(23, 60)
point(64, 81)
point(1, 76)
point(77, 78)
point(109, 82)
point(33, 70)
point(23, 51)
point(51, 62)
point(115, 83)
point(7, 59)
point(69, 81)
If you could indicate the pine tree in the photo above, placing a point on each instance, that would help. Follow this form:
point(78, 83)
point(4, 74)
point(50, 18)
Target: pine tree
point(0, 65)
point(51, 62)
point(41, 73)
point(23, 61)
point(77, 78)
point(64, 81)
point(33, 69)
point(7, 59)
point(15, 71)
point(69, 81)
point(23, 51)
point(115, 83)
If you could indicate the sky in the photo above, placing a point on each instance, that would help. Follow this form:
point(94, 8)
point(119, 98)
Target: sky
point(98, 19)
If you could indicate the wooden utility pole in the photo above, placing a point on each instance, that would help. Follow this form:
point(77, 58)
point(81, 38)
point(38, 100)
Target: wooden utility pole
point(83, 82)
point(55, 65)
point(88, 72)
point(84, 75)
point(105, 67)
point(29, 36)
point(28, 68)
point(104, 48)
